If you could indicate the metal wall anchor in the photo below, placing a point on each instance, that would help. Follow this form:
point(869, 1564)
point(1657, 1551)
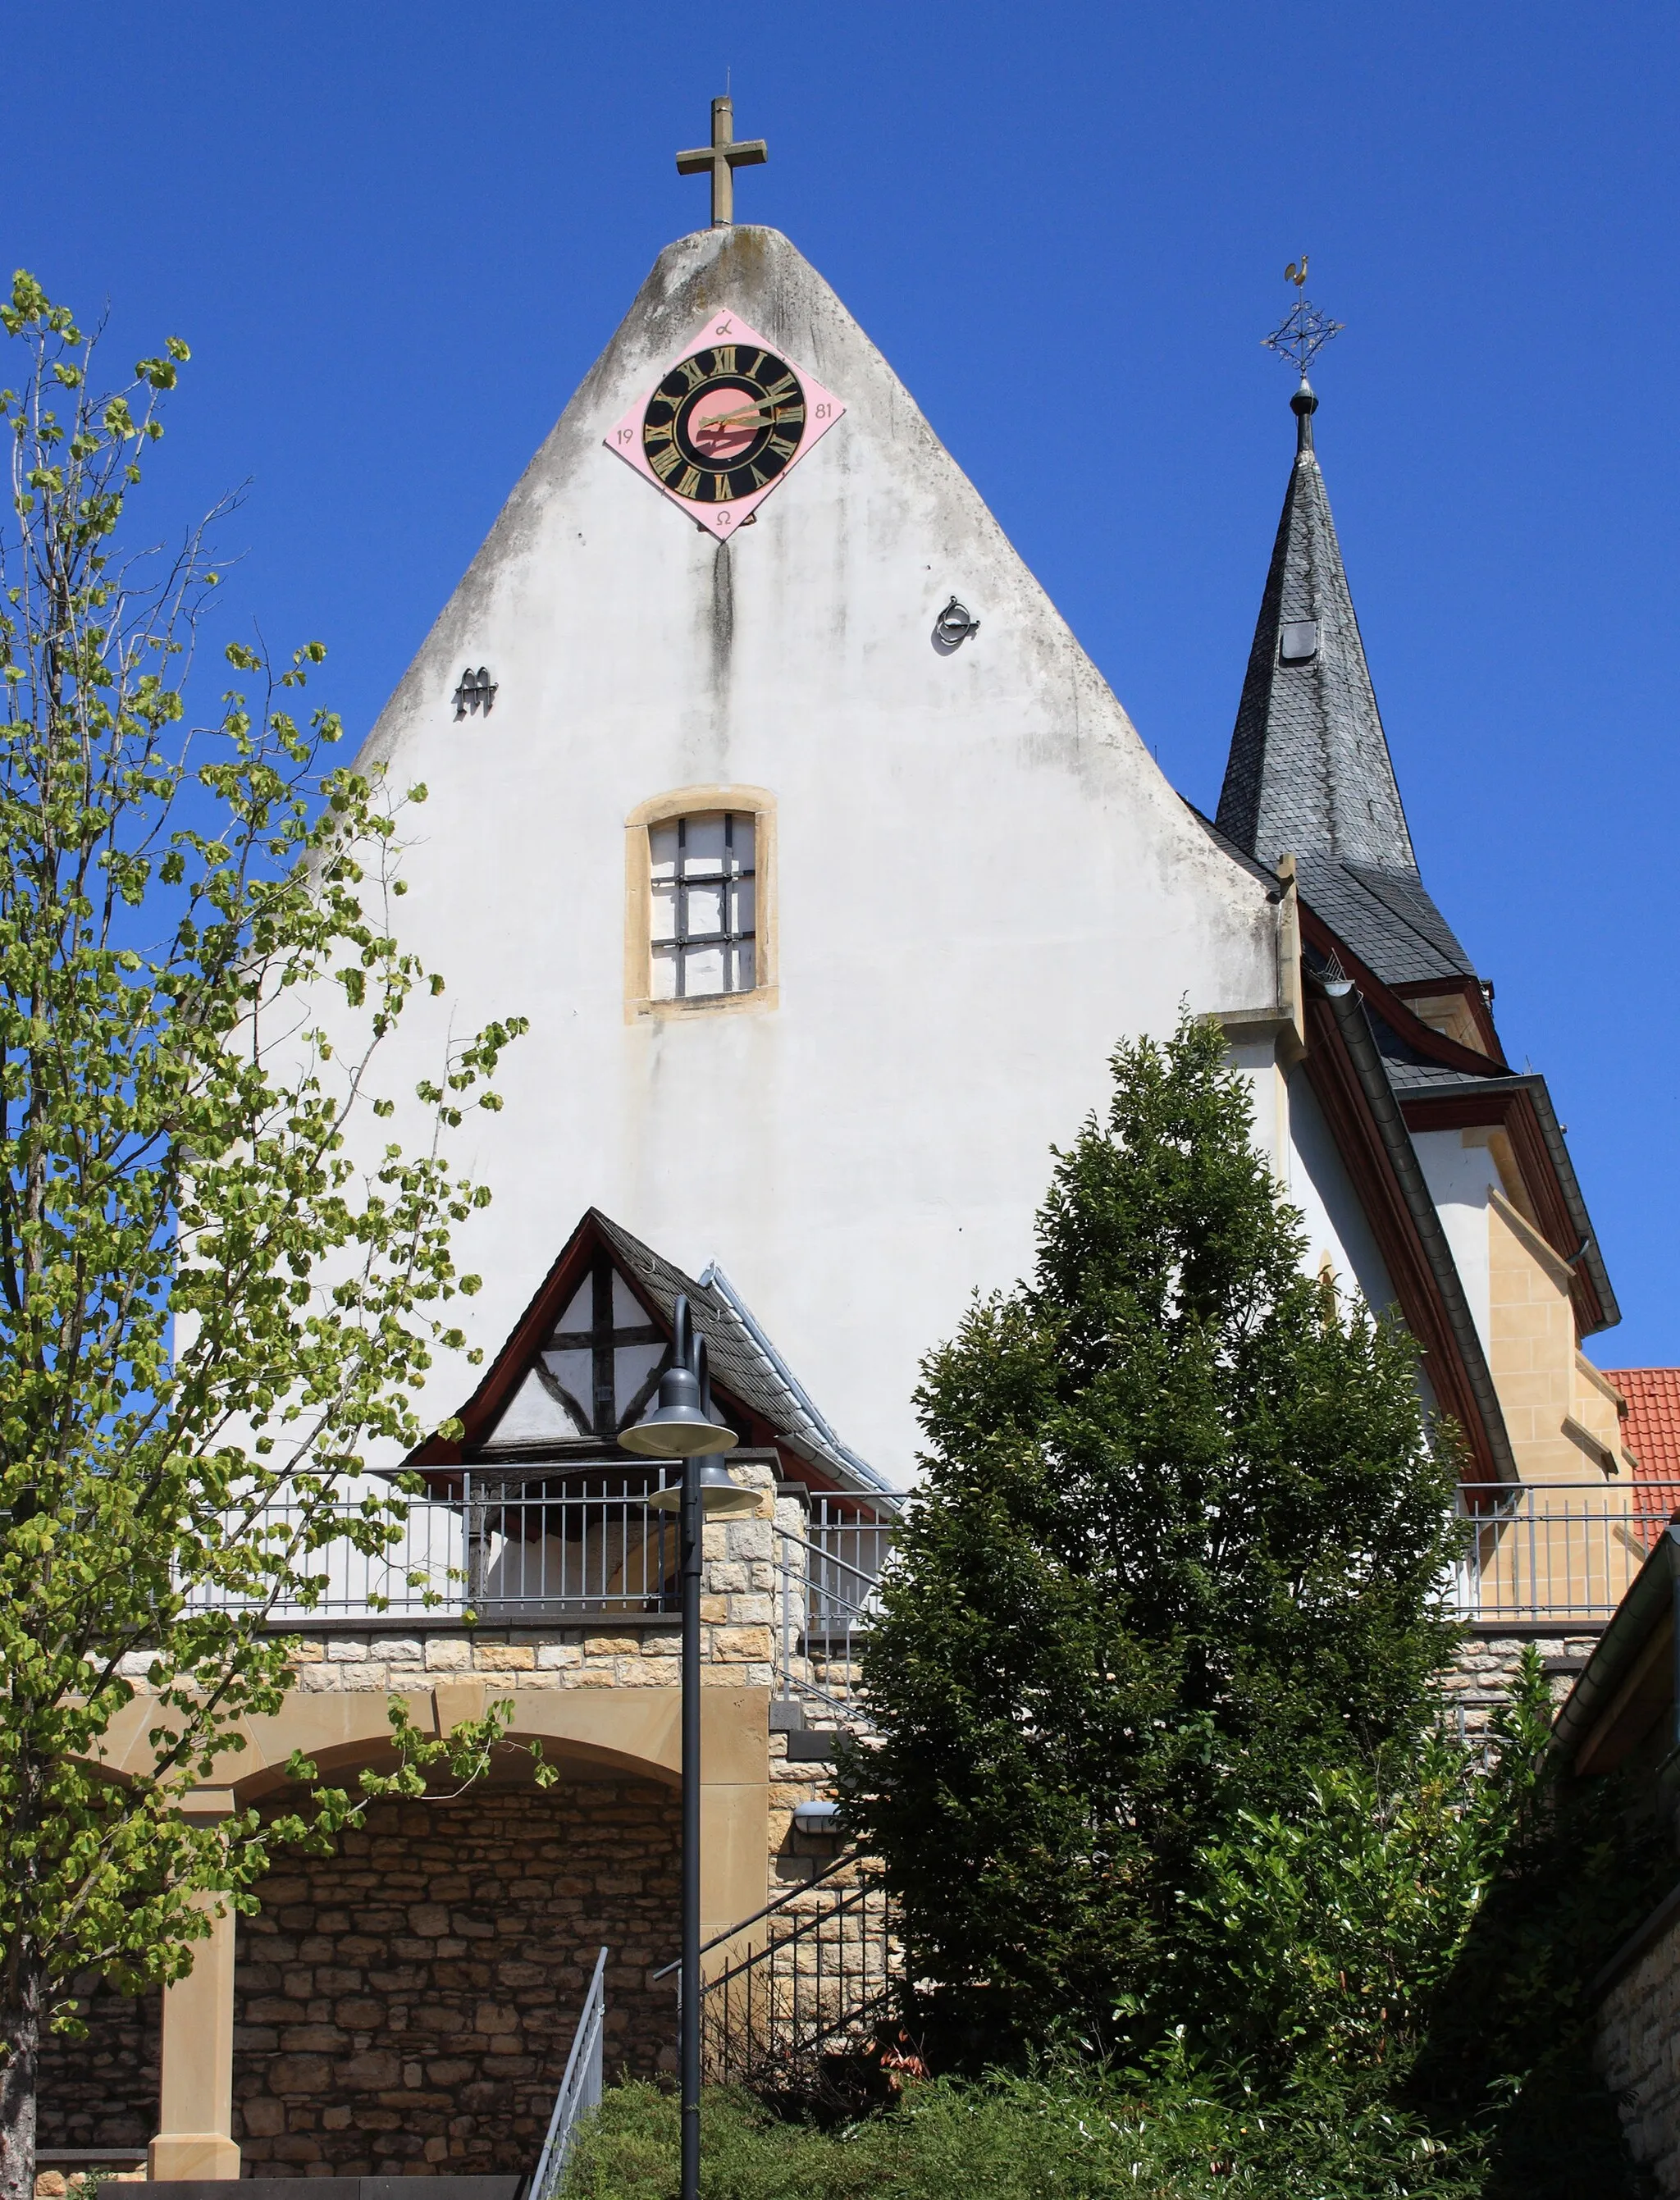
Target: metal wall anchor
point(477, 692)
point(953, 626)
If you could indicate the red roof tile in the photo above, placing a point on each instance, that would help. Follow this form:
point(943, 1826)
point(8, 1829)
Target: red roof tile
point(1651, 1430)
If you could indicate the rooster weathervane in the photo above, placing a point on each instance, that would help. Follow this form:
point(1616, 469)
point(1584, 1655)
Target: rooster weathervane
point(1303, 331)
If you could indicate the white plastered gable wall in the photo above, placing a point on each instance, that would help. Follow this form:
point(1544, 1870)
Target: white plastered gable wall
point(983, 880)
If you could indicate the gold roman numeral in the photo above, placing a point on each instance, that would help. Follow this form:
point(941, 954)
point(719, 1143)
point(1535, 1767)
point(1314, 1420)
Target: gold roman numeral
point(689, 482)
point(782, 448)
point(723, 360)
point(665, 463)
point(694, 373)
point(783, 389)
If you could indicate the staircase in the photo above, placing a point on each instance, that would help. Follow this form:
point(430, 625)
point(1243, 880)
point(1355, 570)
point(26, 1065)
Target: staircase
point(817, 1985)
point(813, 1976)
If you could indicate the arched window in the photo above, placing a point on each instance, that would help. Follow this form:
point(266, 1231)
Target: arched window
point(703, 904)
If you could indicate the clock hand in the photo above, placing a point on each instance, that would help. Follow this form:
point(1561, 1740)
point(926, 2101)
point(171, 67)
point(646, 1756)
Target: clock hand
point(722, 420)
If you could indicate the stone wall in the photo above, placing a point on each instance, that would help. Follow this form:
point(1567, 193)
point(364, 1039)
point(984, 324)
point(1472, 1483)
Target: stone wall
point(406, 2004)
point(1639, 2051)
point(1486, 1664)
point(102, 2090)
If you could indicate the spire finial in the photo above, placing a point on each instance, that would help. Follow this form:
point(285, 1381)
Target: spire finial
point(1299, 337)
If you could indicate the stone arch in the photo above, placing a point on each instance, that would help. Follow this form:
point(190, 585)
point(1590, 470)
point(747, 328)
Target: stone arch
point(634, 1733)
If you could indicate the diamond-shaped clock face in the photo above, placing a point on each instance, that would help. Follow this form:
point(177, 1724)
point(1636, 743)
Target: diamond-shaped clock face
point(728, 420)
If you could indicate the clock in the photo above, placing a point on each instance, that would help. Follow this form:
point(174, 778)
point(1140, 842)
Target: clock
point(725, 422)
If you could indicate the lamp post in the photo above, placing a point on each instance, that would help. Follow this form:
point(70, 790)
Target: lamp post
point(680, 1426)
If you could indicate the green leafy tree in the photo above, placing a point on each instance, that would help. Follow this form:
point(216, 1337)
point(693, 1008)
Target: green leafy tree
point(1179, 1539)
point(1339, 1919)
point(206, 1305)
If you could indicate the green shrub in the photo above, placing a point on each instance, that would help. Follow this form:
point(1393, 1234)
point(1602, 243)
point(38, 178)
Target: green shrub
point(1074, 2137)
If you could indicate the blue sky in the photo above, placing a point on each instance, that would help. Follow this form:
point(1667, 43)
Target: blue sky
point(397, 236)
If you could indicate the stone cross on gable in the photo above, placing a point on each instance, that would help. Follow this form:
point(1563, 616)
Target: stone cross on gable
point(722, 157)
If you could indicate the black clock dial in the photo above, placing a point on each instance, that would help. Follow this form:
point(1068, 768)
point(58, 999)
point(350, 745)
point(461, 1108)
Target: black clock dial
point(724, 423)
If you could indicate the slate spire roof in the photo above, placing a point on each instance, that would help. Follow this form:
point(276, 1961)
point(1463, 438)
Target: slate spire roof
point(1309, 773)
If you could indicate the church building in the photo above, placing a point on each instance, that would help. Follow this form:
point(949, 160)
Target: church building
point(765, 781)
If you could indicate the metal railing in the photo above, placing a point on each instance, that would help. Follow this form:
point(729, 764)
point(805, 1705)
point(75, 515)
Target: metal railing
point(492, 1551)
point(500, 1546)
point(828, 1589)
point(818, 1977)
point(1555, 1550)
point(580, 2088)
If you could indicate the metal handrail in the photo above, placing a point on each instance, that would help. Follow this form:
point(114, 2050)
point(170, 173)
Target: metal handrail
point(580, 2088)
point(835, 1971)
point(822, 1621)
point(782, 1901)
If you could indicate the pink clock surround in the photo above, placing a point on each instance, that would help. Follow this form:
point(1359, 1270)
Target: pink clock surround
point(823, 409)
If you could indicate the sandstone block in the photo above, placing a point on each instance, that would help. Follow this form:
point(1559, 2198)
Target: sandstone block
point(447, 2074)
point(313, 2039)
point(370, 2071)
point(300, 2073)
point(296, 2146)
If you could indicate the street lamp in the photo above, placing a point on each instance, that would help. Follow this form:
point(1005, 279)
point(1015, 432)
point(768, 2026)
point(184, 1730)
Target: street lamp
point(680, 1426)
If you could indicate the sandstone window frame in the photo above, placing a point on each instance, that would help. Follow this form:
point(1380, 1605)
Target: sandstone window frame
point(759, 803)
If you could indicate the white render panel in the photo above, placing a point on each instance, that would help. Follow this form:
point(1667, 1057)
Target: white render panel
point(983, 881)
point(531, 1416)
point(1319, 1186)
point(1459, 1178)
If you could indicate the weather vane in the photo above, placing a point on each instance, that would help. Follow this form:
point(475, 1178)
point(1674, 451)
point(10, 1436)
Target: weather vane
point(1303, 331)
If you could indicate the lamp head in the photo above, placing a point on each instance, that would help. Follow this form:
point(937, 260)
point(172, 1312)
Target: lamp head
point(680, 1425)
point(676, 1428)
point(722, 1497)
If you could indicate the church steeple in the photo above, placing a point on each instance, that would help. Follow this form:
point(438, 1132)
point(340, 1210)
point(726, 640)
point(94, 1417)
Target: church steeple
point(1309, 773)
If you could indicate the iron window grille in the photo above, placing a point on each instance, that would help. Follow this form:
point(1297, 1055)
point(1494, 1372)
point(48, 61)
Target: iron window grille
point(703, 934)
